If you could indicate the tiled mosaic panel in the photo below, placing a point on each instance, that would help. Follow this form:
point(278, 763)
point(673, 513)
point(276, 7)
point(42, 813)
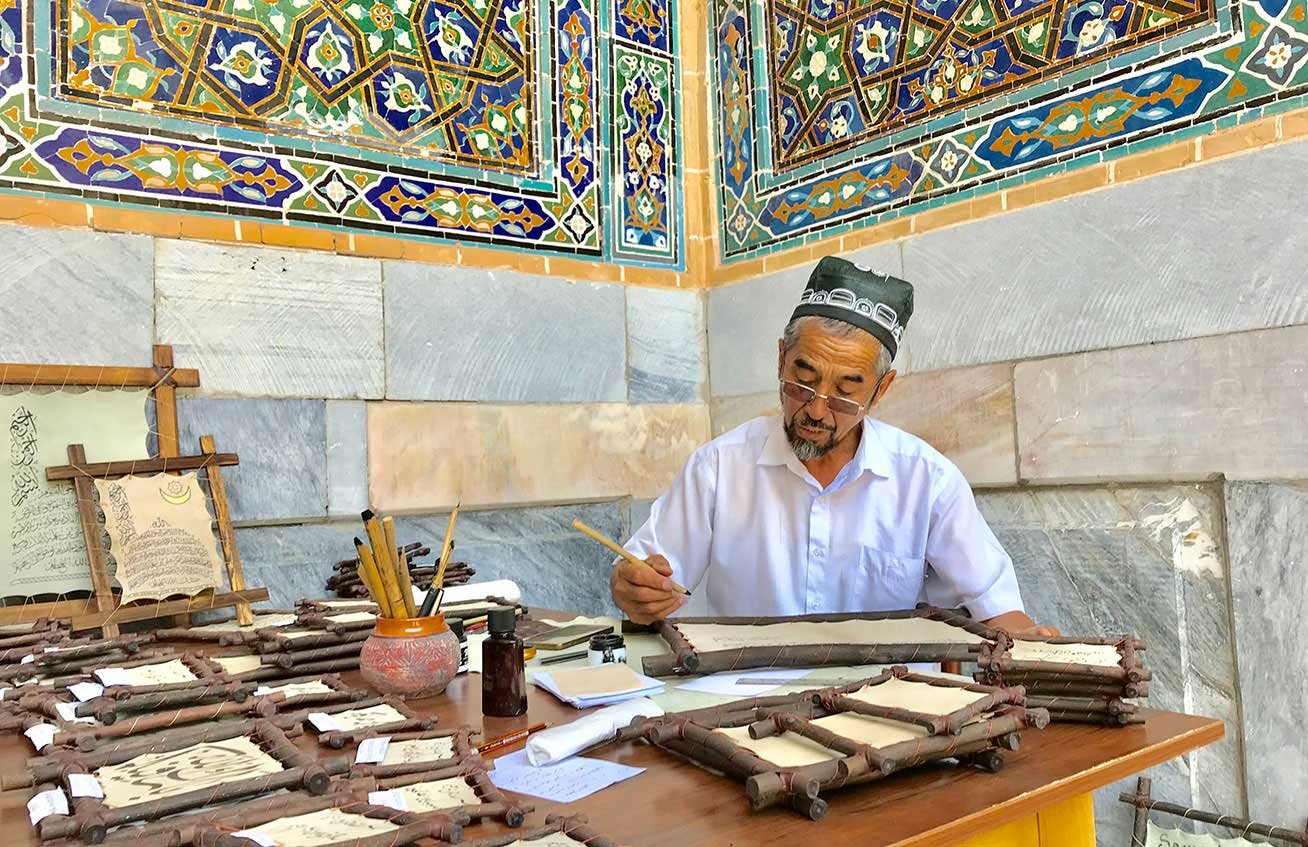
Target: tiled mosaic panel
point(484, 120)
point(1114, 95)
point(845, 72)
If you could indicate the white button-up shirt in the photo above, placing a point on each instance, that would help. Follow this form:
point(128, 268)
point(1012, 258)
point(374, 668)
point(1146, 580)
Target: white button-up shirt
point(746, 522)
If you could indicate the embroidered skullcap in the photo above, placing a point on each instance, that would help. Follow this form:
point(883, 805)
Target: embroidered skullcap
point(878, 303)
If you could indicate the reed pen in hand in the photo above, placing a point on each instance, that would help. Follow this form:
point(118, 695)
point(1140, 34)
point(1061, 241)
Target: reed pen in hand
point(618, 550)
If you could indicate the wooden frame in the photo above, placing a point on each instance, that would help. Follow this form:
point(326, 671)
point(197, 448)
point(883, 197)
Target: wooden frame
point(494, 803)
point(336, 739)
point(92, 818)
point(108, 612)
point(73, 656)
point(686, 659)
point(161, 379)
point(244, 634)
point(214, 828)
point(974, 735)
point(1144, 804)
point(576, 827)
point(463, 753)
point(1071, 692)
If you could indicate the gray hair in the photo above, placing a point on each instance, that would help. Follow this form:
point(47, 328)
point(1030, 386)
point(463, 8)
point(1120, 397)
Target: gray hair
point(840, 329)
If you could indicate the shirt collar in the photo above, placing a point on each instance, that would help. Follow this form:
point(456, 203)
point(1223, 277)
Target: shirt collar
point(871, 455)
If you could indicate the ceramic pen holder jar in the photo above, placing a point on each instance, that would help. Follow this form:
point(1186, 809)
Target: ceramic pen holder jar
point(410, 657)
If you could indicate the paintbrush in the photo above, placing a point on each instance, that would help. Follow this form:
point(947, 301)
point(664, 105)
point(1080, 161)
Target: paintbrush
point(438, 581)
point(401, 566)
point(385, 564)
point(619, 551)
point(370, 578)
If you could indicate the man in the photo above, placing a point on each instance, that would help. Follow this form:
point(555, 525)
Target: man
point(822, 509)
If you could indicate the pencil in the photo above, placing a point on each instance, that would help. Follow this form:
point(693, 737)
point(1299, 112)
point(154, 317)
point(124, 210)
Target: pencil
point(511, 738)
point(618, 550)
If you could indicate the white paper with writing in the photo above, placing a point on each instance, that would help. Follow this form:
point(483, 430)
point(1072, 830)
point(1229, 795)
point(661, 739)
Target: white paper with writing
point(68, 713)
point(391, 798)
point(563, 782)
point(41, 735)
point(45, 804)
point(84, 691)
point(85, 785)
point(324, 722)
point(372, 750)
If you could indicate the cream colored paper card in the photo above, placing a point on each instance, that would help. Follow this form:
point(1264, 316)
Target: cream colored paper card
point(238, 664)
point(42, 550)
point(554, 839)
point(260, 622)
point(419, 750)
point(161, 535)
point(438, 794)
point(353, 719)
point(153, 776)
point(163, 673)
point(299, 689)
point(352, 617)
point(1157, 836)
point(596, 681)
point(875, 732)
point(1100, 655)
point(787, 750)
point(917, 696)
point(712, 637)
point(328, 826)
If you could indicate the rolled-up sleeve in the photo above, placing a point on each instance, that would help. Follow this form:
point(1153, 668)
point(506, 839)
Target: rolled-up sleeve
point(680, 524)
point(969, 566)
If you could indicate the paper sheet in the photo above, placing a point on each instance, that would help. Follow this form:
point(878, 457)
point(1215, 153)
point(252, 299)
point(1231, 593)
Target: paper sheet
point(563, 782)
point(1101, 655)
point(263, 621)
point(352, 719)
point(295, 689)
point(372, 750)
point(45, 804)
point(728, 684)
point(419, 750)
point(352, 617)
point(917, 696)
point(591, 682)
point(161, 535)
point(713, 637)
point(328, 826)
point(42, 550)
point(153, 776)
point(438, 794)
point(1157, 836)
point(160, 673)
point(238, 664)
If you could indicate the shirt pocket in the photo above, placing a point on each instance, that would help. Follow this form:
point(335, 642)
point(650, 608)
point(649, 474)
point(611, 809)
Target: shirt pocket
point(890, 582)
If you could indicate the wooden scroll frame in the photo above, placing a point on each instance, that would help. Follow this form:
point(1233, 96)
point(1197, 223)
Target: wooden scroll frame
point(464, 754)
point(73, 657)
point(92, 819)
point(162, 380)
point(685, 659)
point(576, 827)
point(1144, 804)
point(108, 612)
point(273, 674)
point(336, 739)
point(223, 637)
point(215, 828)
point(1073, 693)
point(494, 803)
point(979, 742)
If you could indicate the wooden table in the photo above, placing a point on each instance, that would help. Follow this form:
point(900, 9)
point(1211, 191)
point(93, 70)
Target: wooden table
point(1040, 799)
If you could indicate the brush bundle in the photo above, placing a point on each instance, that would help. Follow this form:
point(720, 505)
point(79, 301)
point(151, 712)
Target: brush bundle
point(346, 582)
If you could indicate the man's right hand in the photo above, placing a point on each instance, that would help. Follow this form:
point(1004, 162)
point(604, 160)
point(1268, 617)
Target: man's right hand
point(645, 594)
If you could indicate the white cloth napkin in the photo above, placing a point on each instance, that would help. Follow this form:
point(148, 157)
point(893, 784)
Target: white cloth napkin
point(560, 742)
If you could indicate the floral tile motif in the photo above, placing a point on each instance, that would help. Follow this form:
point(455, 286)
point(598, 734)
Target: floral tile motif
point(865, 111)
point(474, 120)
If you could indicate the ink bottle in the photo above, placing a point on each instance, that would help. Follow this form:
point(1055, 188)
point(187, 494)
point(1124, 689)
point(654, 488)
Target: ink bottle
point(503, 672)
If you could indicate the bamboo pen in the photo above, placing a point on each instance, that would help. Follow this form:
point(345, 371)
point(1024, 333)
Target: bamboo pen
point(511, 738)
point(618, 550)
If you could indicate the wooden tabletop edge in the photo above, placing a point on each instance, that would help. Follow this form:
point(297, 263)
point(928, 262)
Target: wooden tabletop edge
point(1025, 805)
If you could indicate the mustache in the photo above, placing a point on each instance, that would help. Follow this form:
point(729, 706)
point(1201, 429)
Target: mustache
point(804, 420)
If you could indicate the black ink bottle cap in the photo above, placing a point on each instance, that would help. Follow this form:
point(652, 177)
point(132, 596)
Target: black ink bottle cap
point(502, 619)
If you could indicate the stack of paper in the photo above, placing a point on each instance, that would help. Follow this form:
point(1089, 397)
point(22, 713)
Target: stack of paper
point(597, 686)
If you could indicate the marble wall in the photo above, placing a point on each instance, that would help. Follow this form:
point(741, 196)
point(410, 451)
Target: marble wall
point(346, 382)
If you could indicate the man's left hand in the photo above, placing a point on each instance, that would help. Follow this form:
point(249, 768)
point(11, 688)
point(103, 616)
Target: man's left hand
point(1017, 624)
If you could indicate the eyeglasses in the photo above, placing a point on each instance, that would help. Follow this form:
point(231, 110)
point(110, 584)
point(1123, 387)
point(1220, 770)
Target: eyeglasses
point(803, 395)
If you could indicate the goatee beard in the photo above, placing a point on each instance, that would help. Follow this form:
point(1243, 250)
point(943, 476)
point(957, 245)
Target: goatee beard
point(806, 450)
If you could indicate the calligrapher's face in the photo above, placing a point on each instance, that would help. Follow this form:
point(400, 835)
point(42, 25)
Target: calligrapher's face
point(833, 365)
